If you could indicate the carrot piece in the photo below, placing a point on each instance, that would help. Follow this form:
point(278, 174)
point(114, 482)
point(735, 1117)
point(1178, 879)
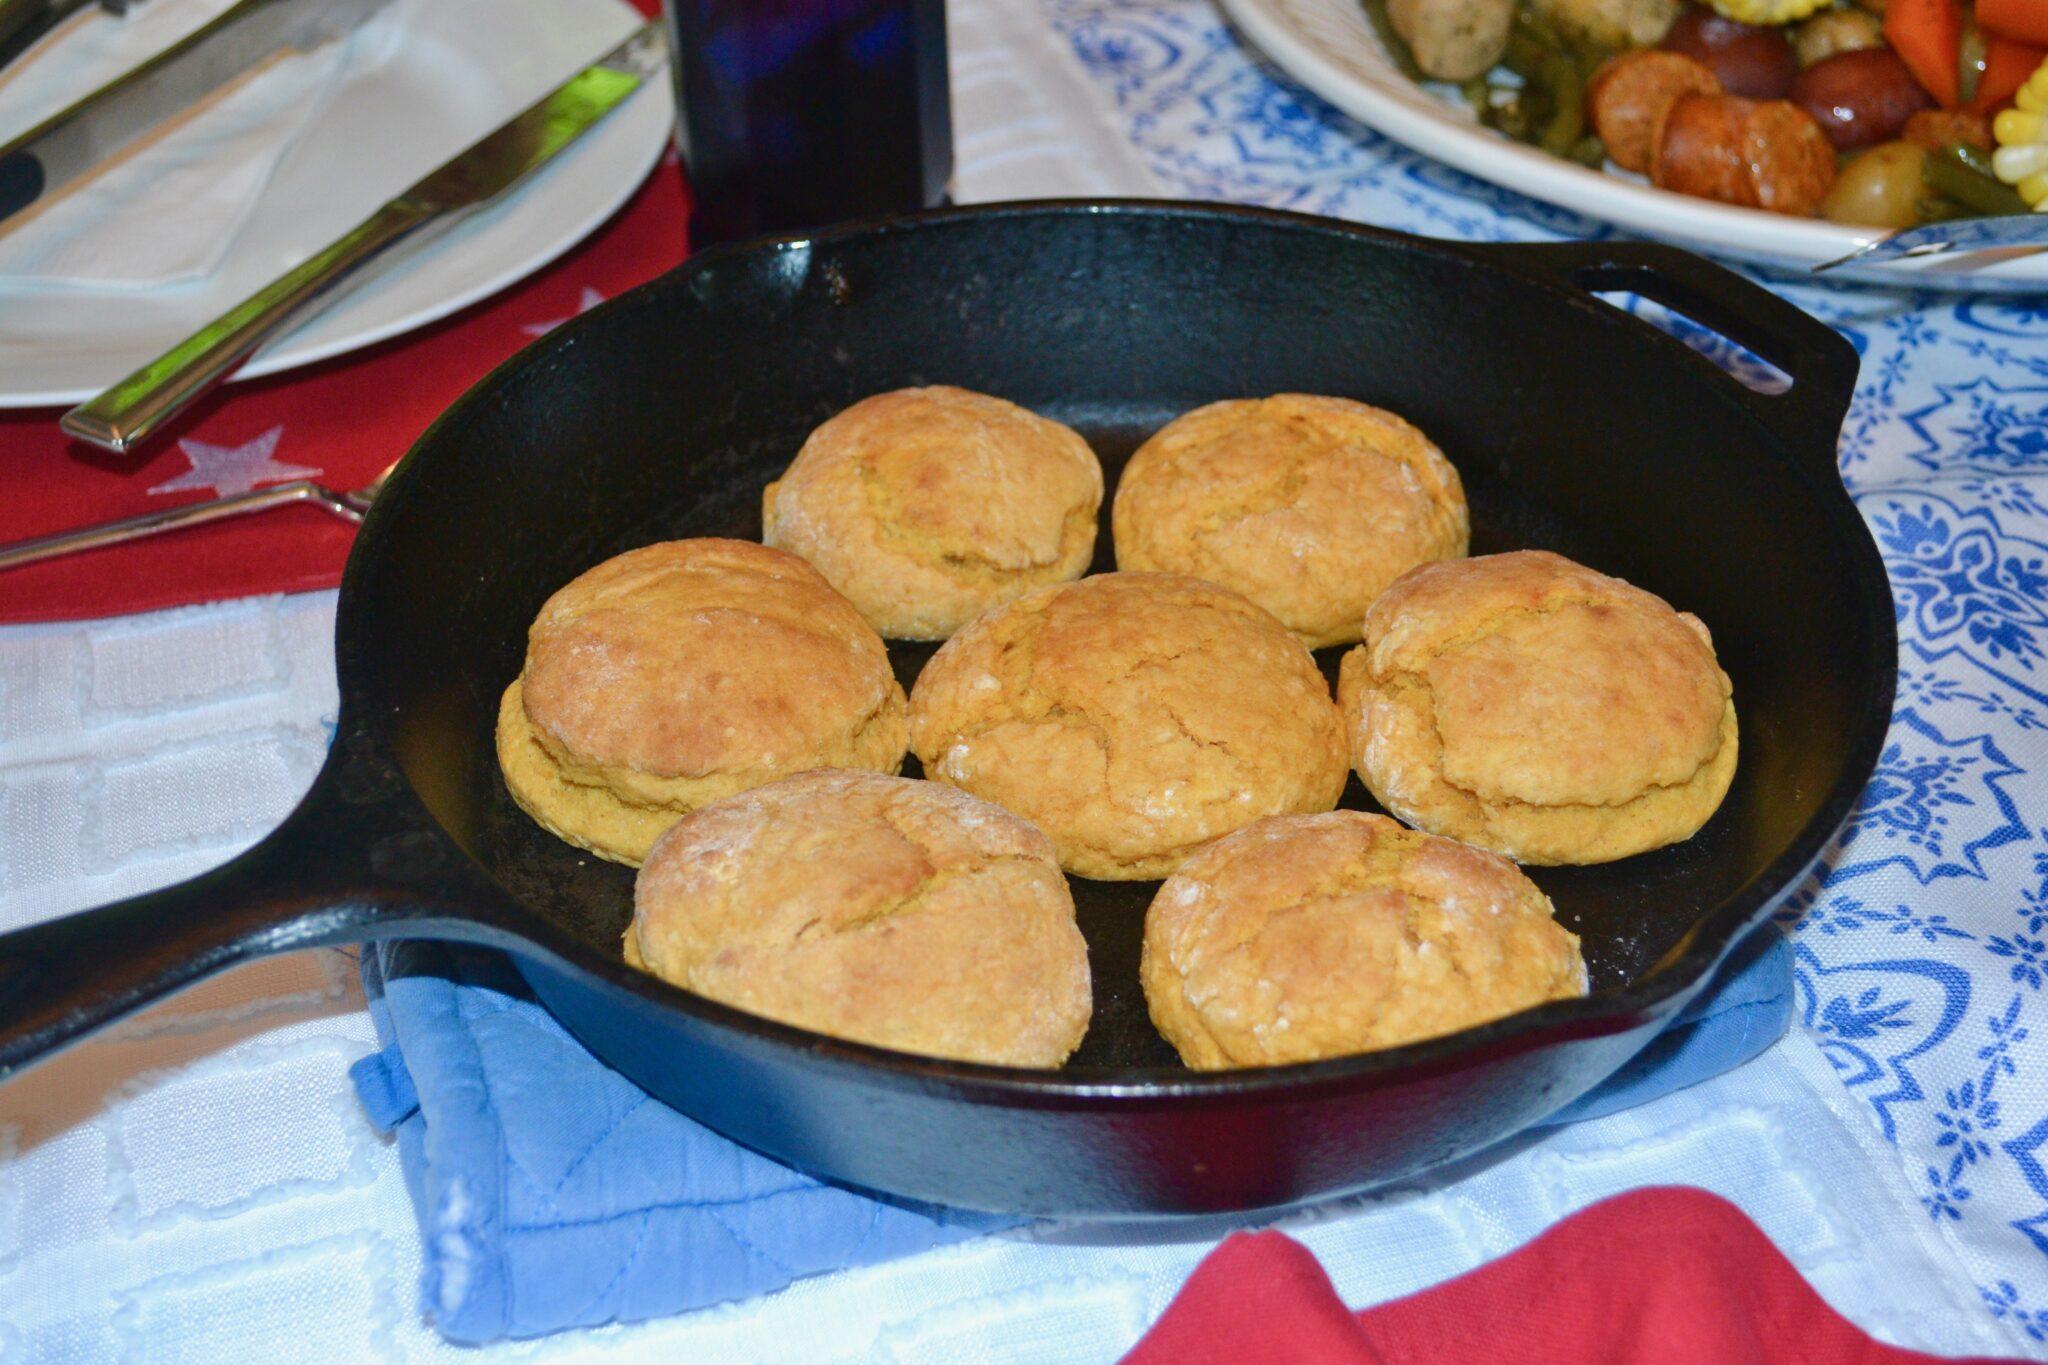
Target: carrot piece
point(2024, 21)
point(2007, 65)
point(1928, 35)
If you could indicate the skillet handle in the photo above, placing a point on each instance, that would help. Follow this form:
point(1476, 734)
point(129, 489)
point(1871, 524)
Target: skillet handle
point(1821, 361)
point(303, 886)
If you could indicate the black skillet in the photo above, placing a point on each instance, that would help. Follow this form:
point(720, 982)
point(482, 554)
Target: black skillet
point(662, 414)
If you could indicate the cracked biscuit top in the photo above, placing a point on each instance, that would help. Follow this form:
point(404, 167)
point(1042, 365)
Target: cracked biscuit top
point(1529, 705)
point(1311, 936)
point(927, 507)
point(1309, 506)
point(879, 909)
point(681, 672)
point(1132, 717)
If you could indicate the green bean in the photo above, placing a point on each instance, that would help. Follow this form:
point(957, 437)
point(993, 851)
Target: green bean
point(1540, 28)
point(1590, 151)
point(1591, 59)
point(1938, 209)
point(1950, 173)
point(1568, 98)
point(1524, 53)
point(1976, 158)
point(1970, 55)
point(1522, 113)
point(1391, 40)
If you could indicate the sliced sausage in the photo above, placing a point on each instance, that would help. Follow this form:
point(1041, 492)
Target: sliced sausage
point(1936, 128)
point(1630, 94)
point(1766, 154)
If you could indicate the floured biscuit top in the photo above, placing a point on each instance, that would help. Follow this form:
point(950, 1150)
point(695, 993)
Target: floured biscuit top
point(889, 911)
point(1528, 704)
point(927, 507)
point(1311, 936)
point(1132, 717)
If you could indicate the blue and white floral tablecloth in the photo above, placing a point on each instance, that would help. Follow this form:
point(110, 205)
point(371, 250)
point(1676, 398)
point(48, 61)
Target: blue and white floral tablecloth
point(1923, 945)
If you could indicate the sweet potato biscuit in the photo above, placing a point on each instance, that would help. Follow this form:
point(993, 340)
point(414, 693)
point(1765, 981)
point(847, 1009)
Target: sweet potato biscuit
point(1529, 705)
point(1310, 936)
point(1308, 506)
point(1132, 717)
point(927, 507)
point(679, 673)
point(899, 913)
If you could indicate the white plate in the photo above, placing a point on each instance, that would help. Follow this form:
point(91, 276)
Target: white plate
point(457, 74)
point(1329, 46)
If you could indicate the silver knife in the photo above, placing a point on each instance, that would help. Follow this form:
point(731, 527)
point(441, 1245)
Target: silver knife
point(73, 141)
point(128, 412)
point(2007, 234)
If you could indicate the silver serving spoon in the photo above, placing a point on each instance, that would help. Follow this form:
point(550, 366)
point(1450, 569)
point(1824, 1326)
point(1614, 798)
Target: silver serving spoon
point(348, 506)
point(2008, 234)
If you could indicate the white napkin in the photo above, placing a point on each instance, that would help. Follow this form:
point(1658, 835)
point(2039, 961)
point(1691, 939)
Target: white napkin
point(167, 213)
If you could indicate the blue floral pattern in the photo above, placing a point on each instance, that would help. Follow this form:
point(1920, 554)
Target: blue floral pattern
point(1922, 944)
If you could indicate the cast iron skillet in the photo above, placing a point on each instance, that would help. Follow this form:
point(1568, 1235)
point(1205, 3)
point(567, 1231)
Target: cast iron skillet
point(663, 413)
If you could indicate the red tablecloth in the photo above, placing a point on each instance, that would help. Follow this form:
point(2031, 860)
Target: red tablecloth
point(1651, 1277)
point(343, 420)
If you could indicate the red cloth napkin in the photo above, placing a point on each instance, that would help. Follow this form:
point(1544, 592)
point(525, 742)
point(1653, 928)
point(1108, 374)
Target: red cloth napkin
point(340, 422)
point(1645, 1278)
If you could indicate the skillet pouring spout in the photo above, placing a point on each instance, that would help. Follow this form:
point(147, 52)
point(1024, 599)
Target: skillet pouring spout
point(1574, 425)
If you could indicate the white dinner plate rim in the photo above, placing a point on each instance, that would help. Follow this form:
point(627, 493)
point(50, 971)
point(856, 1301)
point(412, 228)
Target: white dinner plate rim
point(1419, 119)
point(313, 345)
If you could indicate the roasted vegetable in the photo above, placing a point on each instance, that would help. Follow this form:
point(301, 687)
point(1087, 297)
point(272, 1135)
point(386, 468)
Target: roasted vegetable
point(1764, 154)
point(1755, 63)
point(1928, 36)
point(1394, 43)
point(1934, 129)
point(1966, 176)
point(2024, 21)
point(1453, 40)
point(1881, 188)
point(1860, 99)
point(1835, 31)
point(1769, 11)
point(2022, 133)
point(1610, 24)
point(2007, 64)
point(1631, 94)
point(1969, 60)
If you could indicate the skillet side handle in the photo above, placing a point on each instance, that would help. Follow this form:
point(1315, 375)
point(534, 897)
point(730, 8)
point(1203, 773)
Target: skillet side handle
point(64, 978)
point(1821, 361)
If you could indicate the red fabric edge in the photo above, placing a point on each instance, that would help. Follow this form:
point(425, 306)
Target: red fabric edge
point(1657, 1275)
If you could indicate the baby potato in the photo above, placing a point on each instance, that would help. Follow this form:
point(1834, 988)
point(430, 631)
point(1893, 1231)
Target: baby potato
point(1879, 188)
point(1860, 99)
point(1751, 60)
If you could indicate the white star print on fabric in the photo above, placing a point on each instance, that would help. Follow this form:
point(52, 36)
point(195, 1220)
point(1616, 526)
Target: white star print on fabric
point(589, 299)
point(233, 469)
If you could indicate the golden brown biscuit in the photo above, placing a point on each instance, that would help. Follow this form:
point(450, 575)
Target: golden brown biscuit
point(1529, 705)
point(1132, 717)
point(1308, 506)
point(904, 914)
point(679, 673)
point(1308, 936)
point(927, 507)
